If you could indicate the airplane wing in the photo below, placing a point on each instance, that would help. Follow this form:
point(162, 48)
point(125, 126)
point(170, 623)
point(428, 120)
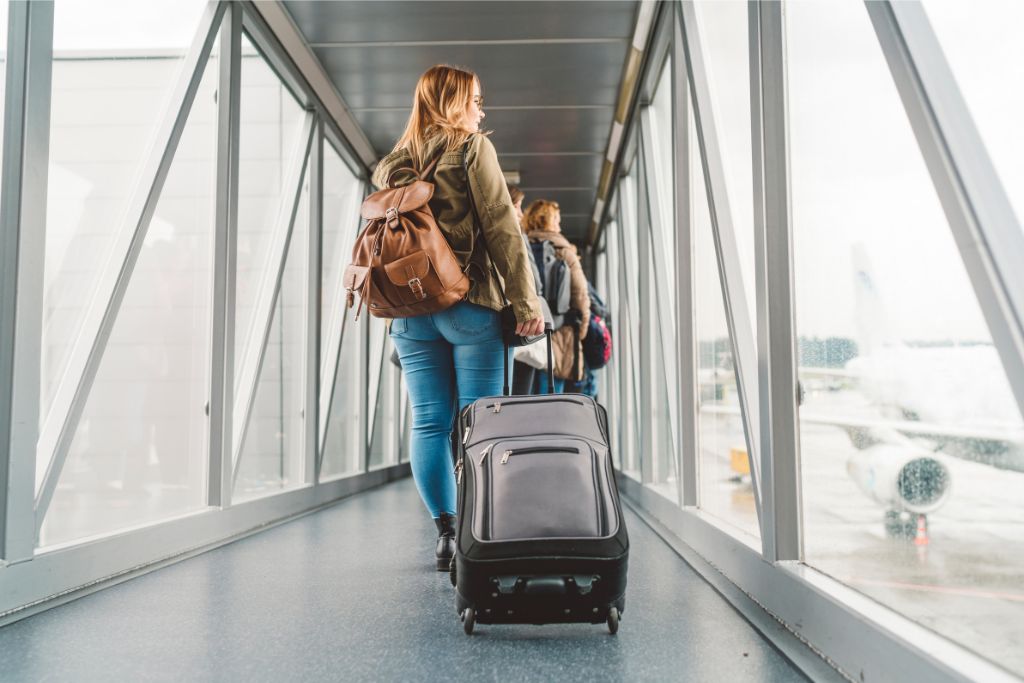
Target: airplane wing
point(1001, 448)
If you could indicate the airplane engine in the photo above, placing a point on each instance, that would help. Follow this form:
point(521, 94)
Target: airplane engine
point(901, 478)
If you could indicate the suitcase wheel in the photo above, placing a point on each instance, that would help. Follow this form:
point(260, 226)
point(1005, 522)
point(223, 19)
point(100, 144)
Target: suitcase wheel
point(613, 621)
point(468, 620)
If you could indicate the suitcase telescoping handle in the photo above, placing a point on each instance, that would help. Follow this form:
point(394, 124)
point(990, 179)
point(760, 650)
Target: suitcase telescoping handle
point(551, 364)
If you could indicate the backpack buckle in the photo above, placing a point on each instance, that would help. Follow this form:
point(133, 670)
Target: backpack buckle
point(391, 217)
point(416, 285)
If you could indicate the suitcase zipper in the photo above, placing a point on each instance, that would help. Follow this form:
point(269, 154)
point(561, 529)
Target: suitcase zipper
point(484, 452)
point(540, 449)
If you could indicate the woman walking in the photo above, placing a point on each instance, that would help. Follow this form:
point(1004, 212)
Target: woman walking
point(453, 357)
point(542, 222)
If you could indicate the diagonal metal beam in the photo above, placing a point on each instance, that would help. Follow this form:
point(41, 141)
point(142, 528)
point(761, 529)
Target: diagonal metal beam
point(734, 300)
point(686, 339)
point(782, 538)
point(314, 269)
point(646, 379)
point(84, 360)
point(269, 289)
point(26, 133)
point(987, 232)
point(222, 366)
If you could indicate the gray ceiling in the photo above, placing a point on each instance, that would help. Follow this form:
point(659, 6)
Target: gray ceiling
point(550, 73)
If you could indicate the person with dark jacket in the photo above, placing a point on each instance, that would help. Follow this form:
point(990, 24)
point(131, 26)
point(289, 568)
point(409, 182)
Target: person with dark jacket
point(453, 357)
point(543, 222)
point(523, 374)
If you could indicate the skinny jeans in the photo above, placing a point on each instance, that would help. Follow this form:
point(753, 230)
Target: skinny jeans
point(449, 359)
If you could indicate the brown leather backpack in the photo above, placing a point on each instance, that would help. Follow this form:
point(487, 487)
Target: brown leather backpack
point(402, 265)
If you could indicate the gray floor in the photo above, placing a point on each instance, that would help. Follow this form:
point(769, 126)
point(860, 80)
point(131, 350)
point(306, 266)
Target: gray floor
point(350, 594)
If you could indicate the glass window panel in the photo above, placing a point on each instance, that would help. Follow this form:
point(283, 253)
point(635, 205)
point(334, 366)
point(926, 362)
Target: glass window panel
point(114, 65)
point(342, 193)
point(273, 445)
point(384, 430)
point(378, 330)
point(982, 42)
point(905, 398)
point(139, 454)
point(270, 128)
point(664, 404)
point(343, 450)
point(725, 37)
point(726, 490)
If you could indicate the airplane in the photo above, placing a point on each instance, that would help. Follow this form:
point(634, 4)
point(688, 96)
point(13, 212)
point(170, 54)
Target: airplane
point(935, 402)
point(924, 404)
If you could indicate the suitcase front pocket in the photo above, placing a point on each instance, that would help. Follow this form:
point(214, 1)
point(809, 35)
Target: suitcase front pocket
point(541, 490)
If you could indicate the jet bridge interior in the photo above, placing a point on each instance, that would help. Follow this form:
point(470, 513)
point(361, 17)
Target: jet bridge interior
point(805, 221)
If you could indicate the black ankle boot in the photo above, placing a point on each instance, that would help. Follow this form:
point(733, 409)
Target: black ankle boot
point(445, 541)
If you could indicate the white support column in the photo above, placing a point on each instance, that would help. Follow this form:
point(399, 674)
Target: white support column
point(26, 132)
point(782, 538)
point(84, 360)
point(269, 289)
point(311, 406)
point(986, 230)
point(645, 380)
point(686, 338)
point(222, 366)
point(734, 300)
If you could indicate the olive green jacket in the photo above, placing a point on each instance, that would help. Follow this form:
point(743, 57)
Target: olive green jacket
point(497, 218)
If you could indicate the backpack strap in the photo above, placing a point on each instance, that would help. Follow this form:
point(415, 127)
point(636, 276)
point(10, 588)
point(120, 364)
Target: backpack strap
point(423, 175)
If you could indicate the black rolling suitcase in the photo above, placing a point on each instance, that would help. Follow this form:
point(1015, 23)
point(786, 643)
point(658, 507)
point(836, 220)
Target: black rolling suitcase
point(540, 537)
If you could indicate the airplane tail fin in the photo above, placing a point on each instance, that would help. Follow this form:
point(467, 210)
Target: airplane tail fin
point(873, 327)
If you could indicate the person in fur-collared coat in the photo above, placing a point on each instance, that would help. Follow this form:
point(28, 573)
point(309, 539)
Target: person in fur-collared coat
point(542, 221)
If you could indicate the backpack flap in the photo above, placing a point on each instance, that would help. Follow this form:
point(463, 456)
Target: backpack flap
point(388, 203)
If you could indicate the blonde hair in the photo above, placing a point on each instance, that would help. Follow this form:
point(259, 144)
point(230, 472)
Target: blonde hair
point(540, 215)
point(439, 107)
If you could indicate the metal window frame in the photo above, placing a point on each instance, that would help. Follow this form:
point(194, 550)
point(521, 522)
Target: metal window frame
point(26, 132)
point(858, 635)
point(85, 356)
point(645, 380)
point(985, 228)
point(781, 503)
point(314, 276)
point(33, 579)
point(222, 366)
point(685, 321)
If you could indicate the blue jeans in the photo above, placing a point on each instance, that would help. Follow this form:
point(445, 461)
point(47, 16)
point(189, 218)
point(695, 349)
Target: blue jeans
point(447, 356)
